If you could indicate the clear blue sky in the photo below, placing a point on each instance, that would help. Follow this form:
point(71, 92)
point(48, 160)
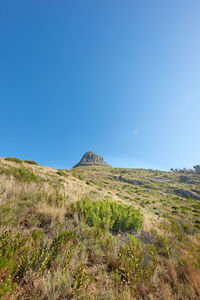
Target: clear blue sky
point(120, 78)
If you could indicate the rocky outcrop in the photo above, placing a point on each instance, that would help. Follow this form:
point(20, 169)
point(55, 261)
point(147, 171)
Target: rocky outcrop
point(91, 159)
point(132, 181)
point(186, 194)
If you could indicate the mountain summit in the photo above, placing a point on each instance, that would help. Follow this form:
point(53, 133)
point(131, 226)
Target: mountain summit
point(91, 159)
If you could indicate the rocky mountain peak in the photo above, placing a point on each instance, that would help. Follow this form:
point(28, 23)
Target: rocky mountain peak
point(90, 158)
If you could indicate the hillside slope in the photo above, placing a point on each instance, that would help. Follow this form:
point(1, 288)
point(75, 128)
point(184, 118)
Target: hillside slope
point(166, 195)
point(98, 233)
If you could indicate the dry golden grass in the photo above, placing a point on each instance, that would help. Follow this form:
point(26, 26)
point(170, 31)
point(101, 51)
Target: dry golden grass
point(50, 198)
point(55, 285)
point(53, 212)
point(166, 292)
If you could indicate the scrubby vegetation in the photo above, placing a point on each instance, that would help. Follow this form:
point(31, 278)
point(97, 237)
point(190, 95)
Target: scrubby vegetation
point(195, 170)
point(22, 252)
point(14, 159)
point(20, 173)
point(31, 162)
point(62, 173)
point(109, 215)
point(61, 238)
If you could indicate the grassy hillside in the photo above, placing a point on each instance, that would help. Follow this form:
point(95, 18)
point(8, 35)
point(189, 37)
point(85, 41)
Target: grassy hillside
point(98, 233)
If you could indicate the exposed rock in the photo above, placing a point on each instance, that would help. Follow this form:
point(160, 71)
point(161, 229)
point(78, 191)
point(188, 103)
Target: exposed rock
point(91, 159)
point(132, 181)
point(197, 191)
point(185, 193)
point(186, 179)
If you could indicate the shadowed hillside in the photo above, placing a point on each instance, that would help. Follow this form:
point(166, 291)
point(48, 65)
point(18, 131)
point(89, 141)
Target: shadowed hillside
point(98, 232)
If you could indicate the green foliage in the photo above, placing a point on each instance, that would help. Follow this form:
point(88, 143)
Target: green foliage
point(79, 176)
point(26, 175)
point(22, 174)
point(14, 159)
point(162, 245)
point(135, 262)
point(109, 215)
point(197, 224)
point(31, 162)
point(7, 287)
point(188, 229)
point(62, 173)
point(20, 252)
point(102, 260)
point(80, 277)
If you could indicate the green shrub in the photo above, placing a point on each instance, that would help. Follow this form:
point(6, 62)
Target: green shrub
point(22, 174)
point(31, 162)
point(197, 226)
point(174, 207)
point(197, 205)
point(14, 159)
point(62, 173)
point(187, 228)
point(136, 264)
point(79, 176)
point(21, 252)
point(162, 245)
point(109, 215)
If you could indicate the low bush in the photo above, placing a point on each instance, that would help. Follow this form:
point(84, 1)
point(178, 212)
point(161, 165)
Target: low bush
point(136, 264)
point(79, 176)
point(109, 215)
point(197, 226)
point(31, 162)
point(14, 159)
point(187, 229)
point(22, 174)
point(62, 173)
point(22, 252)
